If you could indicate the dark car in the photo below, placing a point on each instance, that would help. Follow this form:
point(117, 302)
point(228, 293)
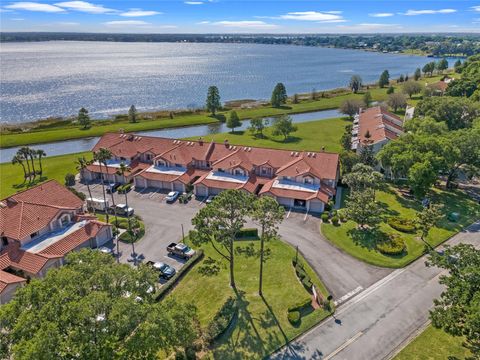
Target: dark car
point(112, 187)
point(166, 271)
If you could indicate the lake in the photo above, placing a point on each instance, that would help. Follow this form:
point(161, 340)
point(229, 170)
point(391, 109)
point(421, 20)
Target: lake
point(57, 78)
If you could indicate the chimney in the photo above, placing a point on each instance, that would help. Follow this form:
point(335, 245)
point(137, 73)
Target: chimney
point(200, 141)
point(225, 142)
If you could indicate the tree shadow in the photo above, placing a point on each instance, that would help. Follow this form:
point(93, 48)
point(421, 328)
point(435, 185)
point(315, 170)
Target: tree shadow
point(275, 319)
point(288, 140)
point(242, 341)
point(283, 107)
point(27, 184)
point(237, 132)
point(366, 238)
point(219, 117)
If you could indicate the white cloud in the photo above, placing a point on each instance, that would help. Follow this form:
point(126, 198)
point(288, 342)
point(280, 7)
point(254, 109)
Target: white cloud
point(17, 19)
point(381, 14)
point(33, 6)
point(476, 8)
point(68, 23)
point(126, 23)
point(312, 16)
point(193, 3)
point(429, 12)
point(139, 13)
point(203, 22)
point(370, 27)
point(84, 6)
point(246, 24)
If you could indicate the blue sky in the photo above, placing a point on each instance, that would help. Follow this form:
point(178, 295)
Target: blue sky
point(228, 16)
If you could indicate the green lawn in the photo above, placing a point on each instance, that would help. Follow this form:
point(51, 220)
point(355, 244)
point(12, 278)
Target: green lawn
point(433, 344)
point(362, 246)
point(161, 120)
point(262, 324)
point(311, 135)
point(54, 167)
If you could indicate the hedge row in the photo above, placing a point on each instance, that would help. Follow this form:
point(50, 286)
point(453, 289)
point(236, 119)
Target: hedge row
point(125, 188)
point(395, 245)
point(167, 287)
point(300, 305)
point(302, 275)
point(247, 233)
point(222, 320)
point(402, 225)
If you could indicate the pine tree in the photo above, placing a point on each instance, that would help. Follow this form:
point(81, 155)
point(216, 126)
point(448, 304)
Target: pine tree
point(233, 121)
point(132, 114)
point(213, 100)
point(83, 118)
point(279, 95)
point(384, 79)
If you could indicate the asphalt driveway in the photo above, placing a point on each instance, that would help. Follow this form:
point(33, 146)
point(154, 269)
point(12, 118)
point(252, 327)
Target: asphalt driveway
point(343, 275)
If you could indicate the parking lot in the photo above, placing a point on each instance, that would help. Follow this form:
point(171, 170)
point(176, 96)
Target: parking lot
point(163, 223)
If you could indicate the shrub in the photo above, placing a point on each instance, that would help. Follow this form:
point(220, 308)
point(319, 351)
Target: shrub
point(395, 245)
point(129, 238)
point(300, 273)
point(341, 216)
point(295, 264)
point(247, 233)
point(307, 283)
point(300, 305)
point(80, 194)
point(402, 225)
point(324, 217)
point(69, 179)
point(335, 220)
point(190, 353)
point(125, 188)
point(294, 317)
point(222, 320)
point(166, 288)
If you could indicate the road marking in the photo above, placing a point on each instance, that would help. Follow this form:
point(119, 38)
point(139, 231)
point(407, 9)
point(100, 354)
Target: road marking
point(344, 345)
point(289, 211)
point(348, 295)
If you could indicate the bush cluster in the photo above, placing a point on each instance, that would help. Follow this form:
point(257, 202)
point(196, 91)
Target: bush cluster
point(302, 275)
point(125, 188)
point(294, 317)
point(402, 225)
point(324, 217)
point(395, 245)
point(80, 194)
point(247, 233)
point(129, 238)
point(166, 288)
point(300, 305)
point(222, 320)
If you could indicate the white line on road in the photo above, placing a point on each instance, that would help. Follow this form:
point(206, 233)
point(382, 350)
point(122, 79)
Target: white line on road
point(348, 295)
point(344, 345)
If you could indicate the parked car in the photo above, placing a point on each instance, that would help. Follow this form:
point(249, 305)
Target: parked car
point(180, 250)
point(112, 187)
point(105, 250)
point(166, 271)
point(97, 204)
point(210, 199)
point(121, 209)
point(172, 196)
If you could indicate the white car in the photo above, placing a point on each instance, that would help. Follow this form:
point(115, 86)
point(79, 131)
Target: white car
point(210, 199)
point(105, 250)
point(172, 196)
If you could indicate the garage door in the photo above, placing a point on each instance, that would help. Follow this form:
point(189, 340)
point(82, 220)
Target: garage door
point(158, 184)
point(200, 190)
point(214, 191)
point(285, 201)
point(178, 186)
point(316, 206)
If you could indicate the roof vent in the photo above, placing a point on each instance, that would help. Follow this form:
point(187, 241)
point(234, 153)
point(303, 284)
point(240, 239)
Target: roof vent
point(292, 153)
point(296, 154)
point(249, 149)
point(314, 154)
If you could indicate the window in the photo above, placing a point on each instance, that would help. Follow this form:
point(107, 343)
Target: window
point(32, 235)
point(220, 170)
point(308, 180)
point(160, 163)
point(149, 156)
point(65, 220)
point(178, 165)
point(4, 241)
point(239, 172)
point(265, 171)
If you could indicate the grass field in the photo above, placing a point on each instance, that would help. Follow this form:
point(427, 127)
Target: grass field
point(54, 167)
point(309, 136)
point(362, 246)
point(433, 344)
point(262, 325)
point(99, 127)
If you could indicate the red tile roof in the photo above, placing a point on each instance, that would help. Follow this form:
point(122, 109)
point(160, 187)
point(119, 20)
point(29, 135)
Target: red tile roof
point(6, 279)
point(13, 256)
point(376, 121)
point(31, 210)
point(295, 194)
point(73, 240)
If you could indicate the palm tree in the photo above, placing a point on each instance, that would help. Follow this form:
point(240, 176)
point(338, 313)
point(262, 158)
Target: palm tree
point(19, 160)
point(40, 154)
point(32, 154)
point(101, 156)
point(82, 164)
point(122, 170)
point(23, 154)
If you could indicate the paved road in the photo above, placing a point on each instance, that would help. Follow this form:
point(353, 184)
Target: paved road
point(377, 321)
point(340, 272)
